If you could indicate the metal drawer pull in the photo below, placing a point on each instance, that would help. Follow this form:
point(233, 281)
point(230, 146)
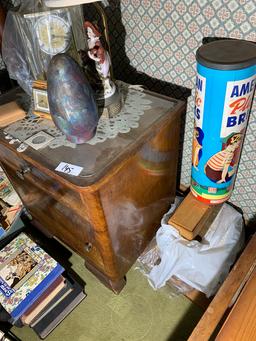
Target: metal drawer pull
point(22, 172)
point(88, 247)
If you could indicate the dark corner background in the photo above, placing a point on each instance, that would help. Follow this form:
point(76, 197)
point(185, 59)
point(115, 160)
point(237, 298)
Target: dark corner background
point(123, 70)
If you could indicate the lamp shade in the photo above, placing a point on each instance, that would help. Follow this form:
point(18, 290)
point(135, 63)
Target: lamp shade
point(65, 3)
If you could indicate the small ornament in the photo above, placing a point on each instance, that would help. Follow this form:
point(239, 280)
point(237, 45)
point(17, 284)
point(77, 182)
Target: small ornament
point(101, 57)
point(71, 99)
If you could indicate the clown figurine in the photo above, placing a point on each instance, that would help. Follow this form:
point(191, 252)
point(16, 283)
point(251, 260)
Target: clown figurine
point(101, 57)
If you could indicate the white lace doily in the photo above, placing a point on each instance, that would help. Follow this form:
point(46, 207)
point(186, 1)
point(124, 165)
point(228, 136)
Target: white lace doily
point(134, 107)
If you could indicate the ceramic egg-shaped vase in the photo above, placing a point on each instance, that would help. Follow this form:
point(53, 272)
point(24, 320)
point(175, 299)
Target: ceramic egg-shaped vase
point(71, 99)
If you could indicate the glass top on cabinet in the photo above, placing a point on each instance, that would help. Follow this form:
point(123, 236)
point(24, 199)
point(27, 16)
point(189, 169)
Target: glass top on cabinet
point(115, 139)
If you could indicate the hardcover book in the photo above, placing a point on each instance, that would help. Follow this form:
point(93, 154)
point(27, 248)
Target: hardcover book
point(62, 295)
point(26, 271)
point(58, 311)
point(43, 300)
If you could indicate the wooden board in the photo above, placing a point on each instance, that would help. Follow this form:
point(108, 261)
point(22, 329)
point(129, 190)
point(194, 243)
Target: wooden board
point(9, 113)
point(241, 322)
point(192, 216)
point(198, 298)
point(227, 294)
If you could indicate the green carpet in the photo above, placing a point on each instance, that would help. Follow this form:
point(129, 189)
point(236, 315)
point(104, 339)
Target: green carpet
point(137, 313)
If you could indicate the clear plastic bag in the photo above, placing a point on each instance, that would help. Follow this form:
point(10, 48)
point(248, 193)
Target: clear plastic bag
point(201, 265)
point(14, 54)
point(29, 39)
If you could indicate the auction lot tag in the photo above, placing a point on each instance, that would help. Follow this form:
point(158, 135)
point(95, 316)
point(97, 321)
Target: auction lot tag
point(67, 168)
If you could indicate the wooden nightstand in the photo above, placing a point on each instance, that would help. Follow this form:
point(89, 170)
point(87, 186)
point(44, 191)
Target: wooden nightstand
point(110, 212)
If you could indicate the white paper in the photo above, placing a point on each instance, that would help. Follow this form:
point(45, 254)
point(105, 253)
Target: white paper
point(67, 168)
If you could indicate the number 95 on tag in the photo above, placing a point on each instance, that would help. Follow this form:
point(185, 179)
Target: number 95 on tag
point(67, 168)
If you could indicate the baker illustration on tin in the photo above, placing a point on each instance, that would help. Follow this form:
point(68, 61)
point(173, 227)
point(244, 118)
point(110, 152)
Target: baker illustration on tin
point(222, 166)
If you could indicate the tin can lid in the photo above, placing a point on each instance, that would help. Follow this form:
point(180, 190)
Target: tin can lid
point(227, 54)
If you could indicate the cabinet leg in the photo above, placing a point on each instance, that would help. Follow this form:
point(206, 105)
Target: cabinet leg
point(116, 286)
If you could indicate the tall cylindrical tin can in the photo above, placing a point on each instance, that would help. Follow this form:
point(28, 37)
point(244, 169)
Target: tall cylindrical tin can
point(225, 85)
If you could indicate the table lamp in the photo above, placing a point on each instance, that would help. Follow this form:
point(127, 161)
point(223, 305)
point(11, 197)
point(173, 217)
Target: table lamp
point(108, 98)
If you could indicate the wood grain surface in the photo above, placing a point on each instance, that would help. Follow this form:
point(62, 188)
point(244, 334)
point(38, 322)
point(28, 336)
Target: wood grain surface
point(110, 218)
point(190, 217)
point(227, 294)
point(240, 324)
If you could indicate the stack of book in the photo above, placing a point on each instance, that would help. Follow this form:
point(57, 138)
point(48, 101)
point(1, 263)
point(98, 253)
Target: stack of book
point(33, 288)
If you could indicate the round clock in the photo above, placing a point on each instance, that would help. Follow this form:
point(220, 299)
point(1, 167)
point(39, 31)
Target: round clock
point(53, 33)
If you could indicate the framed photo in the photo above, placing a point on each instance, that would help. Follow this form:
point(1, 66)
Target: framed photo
point(40, 97)
point(41, 100)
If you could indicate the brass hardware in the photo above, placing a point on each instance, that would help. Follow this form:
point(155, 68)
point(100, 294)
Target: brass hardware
point(88, 247)
point(22, 172)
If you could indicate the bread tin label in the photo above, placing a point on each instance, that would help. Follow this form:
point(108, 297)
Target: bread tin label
point(238, 101)
point(199, 100)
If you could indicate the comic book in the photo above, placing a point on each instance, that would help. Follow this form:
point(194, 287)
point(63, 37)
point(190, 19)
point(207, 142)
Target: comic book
point(26, 271)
